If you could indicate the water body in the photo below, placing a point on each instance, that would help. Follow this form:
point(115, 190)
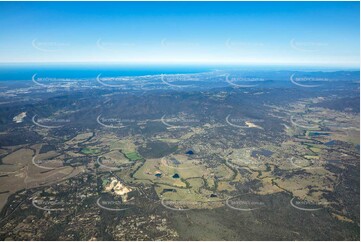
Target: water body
point(18, 72)
point(331, 143)
point(189, 152)
point(318, 134)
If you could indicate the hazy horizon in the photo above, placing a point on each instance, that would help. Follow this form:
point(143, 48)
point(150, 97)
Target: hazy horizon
point(324, 34)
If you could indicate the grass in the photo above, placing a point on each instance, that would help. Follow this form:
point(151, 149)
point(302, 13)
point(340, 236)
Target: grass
point(315, 149)
point(89, 151)
point(105, 182)
point(133, 156)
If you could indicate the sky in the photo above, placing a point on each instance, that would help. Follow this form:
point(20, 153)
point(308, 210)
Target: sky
point(253, 33)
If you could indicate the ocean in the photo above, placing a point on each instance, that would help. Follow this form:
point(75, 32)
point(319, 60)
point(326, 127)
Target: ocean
point(18, 72)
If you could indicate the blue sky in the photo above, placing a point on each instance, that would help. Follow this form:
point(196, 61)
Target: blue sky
point(284, 33)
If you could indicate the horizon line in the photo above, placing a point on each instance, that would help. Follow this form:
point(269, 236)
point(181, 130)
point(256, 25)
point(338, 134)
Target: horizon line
point(280, 64)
